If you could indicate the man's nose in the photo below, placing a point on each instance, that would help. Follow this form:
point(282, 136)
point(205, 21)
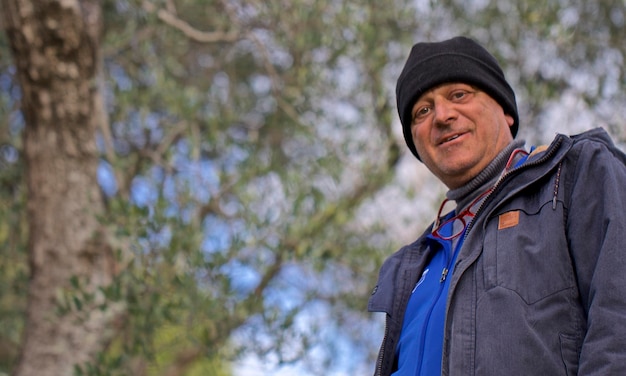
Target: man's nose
point(444, 111)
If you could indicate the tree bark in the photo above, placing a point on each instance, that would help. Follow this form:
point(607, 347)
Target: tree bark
point(55, 45)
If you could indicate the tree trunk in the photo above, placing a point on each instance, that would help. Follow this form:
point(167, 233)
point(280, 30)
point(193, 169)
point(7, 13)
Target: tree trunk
point(55, 47)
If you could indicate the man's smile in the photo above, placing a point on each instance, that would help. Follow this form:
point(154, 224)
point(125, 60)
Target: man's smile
point(449, 137)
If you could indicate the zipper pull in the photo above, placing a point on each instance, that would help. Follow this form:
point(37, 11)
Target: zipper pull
point(444, 274)
point(556, 186)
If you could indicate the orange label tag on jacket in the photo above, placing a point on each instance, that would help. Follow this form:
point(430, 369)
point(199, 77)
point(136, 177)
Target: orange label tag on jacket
point(508, 219)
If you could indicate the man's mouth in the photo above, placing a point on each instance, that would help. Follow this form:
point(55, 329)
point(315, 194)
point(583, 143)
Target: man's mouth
point(450, 138)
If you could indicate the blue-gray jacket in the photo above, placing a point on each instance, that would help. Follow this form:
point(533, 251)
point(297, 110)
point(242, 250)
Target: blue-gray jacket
point(539, 286)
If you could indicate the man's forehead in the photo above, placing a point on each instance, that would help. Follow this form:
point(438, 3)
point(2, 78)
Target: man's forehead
point(447, 86)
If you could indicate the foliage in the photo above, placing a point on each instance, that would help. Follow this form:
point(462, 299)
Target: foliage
point(233, 169)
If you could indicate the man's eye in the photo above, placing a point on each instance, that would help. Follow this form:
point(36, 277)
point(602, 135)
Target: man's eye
point(458, 94)
point(421, 112)
point(461, 94)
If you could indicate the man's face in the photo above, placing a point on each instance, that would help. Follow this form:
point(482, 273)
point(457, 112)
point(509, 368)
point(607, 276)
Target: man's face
point(458, 130)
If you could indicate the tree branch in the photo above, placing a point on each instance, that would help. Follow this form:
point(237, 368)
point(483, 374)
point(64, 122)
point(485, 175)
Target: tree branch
point(168, 17)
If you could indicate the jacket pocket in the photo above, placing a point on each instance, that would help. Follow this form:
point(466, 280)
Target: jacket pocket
point(525, 249)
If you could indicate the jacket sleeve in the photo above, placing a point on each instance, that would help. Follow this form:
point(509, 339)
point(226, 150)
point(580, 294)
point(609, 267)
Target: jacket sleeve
point(596, 230)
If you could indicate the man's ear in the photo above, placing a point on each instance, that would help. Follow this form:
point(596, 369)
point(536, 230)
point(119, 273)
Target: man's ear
point(509, 120)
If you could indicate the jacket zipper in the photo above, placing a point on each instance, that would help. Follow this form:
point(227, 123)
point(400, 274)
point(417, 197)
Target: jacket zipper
point(444, 275)
point(381, 355)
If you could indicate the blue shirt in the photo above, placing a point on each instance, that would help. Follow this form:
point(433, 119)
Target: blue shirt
point(421, 341)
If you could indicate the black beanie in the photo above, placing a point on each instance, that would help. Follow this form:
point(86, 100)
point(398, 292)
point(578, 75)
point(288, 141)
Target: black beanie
point(458, 59)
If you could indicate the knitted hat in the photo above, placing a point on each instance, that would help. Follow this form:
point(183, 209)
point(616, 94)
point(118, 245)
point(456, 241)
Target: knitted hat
point(455, 60)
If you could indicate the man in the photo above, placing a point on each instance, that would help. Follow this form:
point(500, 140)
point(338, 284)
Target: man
point(527, 275)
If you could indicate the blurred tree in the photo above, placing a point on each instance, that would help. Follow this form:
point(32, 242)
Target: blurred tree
point(55, 46)
point(210, 202)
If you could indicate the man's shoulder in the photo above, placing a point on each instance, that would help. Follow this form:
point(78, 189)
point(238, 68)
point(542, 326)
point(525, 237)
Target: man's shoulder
point(584, 143)
point(406, 253)
point(594, 135)
point(596, 140)
point(416, 246)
